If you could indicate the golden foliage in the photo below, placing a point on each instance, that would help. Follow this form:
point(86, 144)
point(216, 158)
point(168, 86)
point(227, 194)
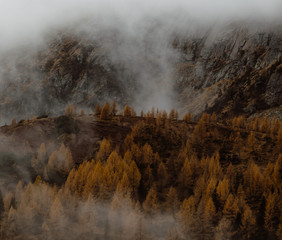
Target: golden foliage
point(105, 112)
point(127, 112)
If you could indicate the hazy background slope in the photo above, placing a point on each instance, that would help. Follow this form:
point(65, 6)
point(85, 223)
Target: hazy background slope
point(191, 56)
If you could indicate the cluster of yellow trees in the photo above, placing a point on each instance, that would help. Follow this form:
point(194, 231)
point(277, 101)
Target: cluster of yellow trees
point(168, 179)
point(55, 166)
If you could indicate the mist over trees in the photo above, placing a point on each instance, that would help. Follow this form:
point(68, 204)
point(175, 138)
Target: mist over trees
point(167, 178)
point(97, 140)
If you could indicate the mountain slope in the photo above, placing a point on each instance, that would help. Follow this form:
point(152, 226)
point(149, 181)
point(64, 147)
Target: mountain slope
point(231, 72)
point(240, 73)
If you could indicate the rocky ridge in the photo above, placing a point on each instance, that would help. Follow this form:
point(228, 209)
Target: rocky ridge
point(235, 72)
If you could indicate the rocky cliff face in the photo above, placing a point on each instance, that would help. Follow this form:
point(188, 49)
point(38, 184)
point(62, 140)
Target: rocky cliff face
point(67, 70)
point(231, 72)
point(238, 73)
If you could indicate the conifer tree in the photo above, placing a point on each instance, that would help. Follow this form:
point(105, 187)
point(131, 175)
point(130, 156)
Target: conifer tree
point(104, 151)
point(134, 177)
point(107, 186)
point(147, 178)
point(185, 179)
point(248, 222)
point(124, 186)
point(225, 230)
point(172, 201)
point(205, 118)
point(139, 232)
point(9, 228)
point(61, 160)
point(188, 117)
point(210, 210)
point(38, 162)
point(187, 215)
point(256, 124)
point(97, 110)
point(70, 183)
point(19, 192)
point(211, 187)
point(127, 111)
point(238, 122)
point(113, 162)
point(215, 169)
point(200, 188)
point(199, 132)
point(159, 121)
point(213, 118)
point(152, 113)
point(164, 115)
point(70, 110)
point(94, 181)
point(150, 204)
point(133, 113)
point(207, 219)
point(253, 181)
point(114, 109)
point(265, 125)
point(128, 157)
point(223, 190)
point(231, 208)
point(275, 127)
point(231, 177)
point(271, 216)
point(162, 177)
point(238, 144)
point(105, 112)
point(148, 155)
point(57, 216)
point(118, 213)
point(171, 115)
point(252, 142)
point(176, 115)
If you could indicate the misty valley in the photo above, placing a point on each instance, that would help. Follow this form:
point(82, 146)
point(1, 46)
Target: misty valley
point(140, 120)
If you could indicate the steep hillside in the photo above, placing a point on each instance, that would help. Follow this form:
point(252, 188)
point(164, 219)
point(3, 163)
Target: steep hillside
point(238, 73)
point(158, 175)
point(232, 71)
point(84, 133)
point(141, 120)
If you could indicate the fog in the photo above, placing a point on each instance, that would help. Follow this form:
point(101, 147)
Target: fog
point(141, 32)
point(135, 36)
point(24, 21)
point(43, 212)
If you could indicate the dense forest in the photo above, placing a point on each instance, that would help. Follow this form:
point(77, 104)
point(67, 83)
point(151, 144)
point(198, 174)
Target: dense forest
point(163, 178)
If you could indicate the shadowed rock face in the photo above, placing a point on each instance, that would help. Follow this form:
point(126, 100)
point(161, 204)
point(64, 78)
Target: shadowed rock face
point(68, 70)
point(230, 72)
point(238, 73)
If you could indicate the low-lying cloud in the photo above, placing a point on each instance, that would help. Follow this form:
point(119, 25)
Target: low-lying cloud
point(142, 33)
point(25, 20)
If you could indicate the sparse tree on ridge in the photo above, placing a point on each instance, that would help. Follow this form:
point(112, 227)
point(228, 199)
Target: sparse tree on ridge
point(114, 109)
point(127, 111)
point(97, 110)
point(105, 113)
point(70, 110)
